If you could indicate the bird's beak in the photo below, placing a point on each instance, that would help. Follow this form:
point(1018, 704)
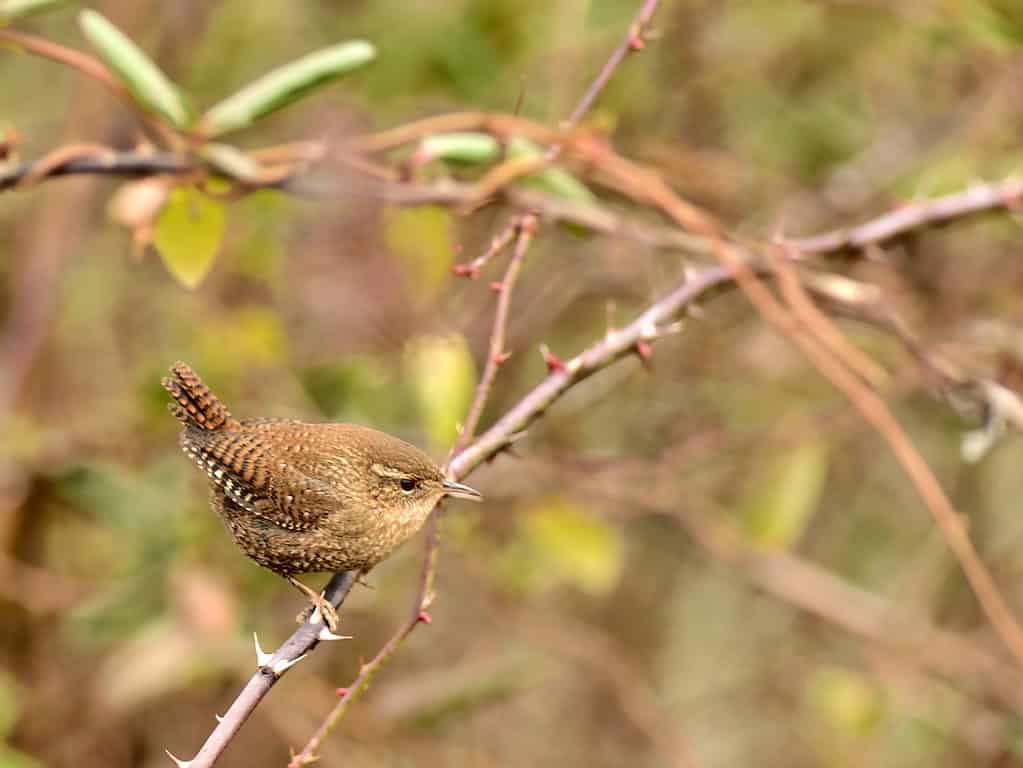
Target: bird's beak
point(459, 491)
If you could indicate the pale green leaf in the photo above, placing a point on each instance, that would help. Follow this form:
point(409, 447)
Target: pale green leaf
point(230, 161)
point(783, 494)
point(285, 85)
point(442, 375)
point(188, 234)
point(557, 181)
point(471, 148)
point(146, 82)
point(15, 9)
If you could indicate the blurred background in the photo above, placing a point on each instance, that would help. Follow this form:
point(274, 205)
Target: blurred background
point(636, 586)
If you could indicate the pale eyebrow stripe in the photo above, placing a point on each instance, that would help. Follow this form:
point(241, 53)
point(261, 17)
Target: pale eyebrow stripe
point(383, 471)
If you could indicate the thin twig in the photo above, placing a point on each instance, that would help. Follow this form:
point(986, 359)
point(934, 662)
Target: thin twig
point(633, 42)
point(497, 244)
point(90, 67)
point(525, 226)
point(418, 615)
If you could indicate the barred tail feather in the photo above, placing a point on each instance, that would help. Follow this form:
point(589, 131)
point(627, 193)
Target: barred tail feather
point(194, 405)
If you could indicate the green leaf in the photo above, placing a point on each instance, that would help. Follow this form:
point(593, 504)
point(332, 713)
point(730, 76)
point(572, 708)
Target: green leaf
point(471, 148)
point(188, 234)
point(442, 375)
point(150, 86)
point(286, 84)
point(14, 9)
point(557, 181)
point(782, 496)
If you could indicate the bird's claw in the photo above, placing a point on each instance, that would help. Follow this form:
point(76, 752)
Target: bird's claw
point(320, 609)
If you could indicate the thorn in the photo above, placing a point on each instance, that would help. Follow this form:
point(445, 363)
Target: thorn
point(554, 363)
point(284, 665)
point(341, 691)
point(424, 617)
point(1012, 201)
point(181, 763)
point(466, 270)
point(528, 223)
point(610, 309)
point(636, 42)
point(419, 158)
point(8, 142)
point(778, 235)
point(496, 287)
point(502, 357)
point(316, 616)
point(645, 352)
point(220, 718)
point(262, 657)
point(326, 634)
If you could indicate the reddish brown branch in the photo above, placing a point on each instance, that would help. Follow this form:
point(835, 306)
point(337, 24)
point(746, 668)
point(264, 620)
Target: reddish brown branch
point(525, 227)
point(93, 68)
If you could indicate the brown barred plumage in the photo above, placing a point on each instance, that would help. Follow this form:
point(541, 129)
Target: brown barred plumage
point(299, 497)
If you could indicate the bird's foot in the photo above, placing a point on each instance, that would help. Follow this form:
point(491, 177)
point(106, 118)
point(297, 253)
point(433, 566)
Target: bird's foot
point(319, 608)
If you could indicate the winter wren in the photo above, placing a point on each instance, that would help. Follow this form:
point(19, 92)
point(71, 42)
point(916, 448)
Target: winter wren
point(300, 498)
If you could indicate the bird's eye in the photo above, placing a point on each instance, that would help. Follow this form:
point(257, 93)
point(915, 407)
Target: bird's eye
point(408, 484)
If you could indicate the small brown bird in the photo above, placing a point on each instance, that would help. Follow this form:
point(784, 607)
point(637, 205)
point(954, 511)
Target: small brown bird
point(302, 498)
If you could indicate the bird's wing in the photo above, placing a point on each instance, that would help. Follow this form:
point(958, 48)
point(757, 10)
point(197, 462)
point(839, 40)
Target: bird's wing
point(259, 478)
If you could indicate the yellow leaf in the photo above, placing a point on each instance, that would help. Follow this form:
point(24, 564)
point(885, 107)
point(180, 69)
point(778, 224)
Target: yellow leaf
point(558, 543)
point(422, 239)
point(845, 699)
point(188, 234)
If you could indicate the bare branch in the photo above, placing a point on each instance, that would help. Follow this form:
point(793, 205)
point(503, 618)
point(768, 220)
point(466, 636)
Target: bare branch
point(977, 199)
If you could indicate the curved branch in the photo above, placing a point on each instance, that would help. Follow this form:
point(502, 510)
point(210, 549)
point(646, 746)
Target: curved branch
point(1003, 195)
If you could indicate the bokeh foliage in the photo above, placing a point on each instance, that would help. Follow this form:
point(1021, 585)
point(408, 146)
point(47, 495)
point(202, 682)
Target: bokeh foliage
point(126, 611)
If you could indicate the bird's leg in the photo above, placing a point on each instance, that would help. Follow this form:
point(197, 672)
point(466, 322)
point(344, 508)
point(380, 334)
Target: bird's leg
point(361, 579)
point(326, 608)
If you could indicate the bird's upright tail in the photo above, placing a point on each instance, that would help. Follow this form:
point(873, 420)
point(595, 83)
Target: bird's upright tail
point(194, 405)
